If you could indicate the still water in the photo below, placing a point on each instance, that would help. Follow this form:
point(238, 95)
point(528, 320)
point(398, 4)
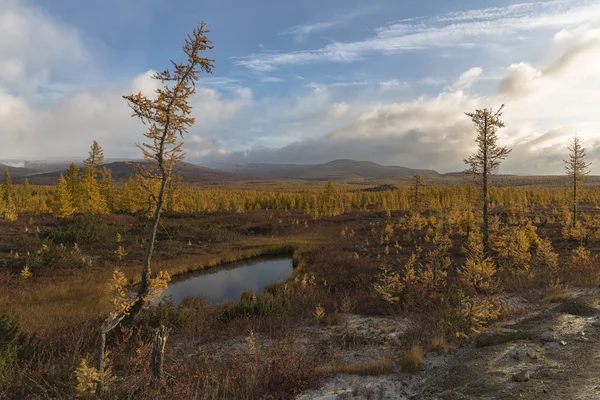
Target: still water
point(227, 283)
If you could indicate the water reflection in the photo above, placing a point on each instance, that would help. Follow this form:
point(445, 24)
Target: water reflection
point(228, 282)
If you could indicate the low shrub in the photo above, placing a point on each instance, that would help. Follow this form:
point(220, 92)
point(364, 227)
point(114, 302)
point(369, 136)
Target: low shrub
point(252, 306)
point(11, 340)
point(56, 257)
point(81, 229)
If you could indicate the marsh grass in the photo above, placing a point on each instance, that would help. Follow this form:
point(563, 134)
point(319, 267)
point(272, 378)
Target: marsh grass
point(58, 301)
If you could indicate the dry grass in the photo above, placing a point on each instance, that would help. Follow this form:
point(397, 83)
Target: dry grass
point(439, 345)
point(413, 359)
point(558, 292)
point(48, 303)
point(373, 368)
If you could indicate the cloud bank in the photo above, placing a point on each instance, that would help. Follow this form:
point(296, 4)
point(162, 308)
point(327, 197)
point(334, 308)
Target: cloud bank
point(46, 110)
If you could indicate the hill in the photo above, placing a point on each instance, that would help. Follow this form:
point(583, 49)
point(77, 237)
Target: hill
point(121, 171)
point(18, 172)
point(333, 170)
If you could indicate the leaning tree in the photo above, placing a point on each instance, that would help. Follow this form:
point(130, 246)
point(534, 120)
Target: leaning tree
point(167, 116)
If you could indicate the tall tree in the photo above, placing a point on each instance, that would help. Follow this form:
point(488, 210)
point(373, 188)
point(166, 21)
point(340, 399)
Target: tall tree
point(489, 155)
point(95, 158)
point(577, 169)
point(417, 191)
point(167, 116)
point(7, 187)
point(107, 188)
point(62, 204)
point(74, 185)
point(9, 208)
point(93, 202)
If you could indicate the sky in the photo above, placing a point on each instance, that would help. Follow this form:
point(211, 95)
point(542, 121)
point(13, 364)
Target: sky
point(308, 81)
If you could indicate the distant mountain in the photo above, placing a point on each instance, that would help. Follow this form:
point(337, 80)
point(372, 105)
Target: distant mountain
point(18, 172)
point(333, 170)
point(121, 171)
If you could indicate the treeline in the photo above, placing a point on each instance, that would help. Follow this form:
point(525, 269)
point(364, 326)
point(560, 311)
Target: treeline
point(93, 191)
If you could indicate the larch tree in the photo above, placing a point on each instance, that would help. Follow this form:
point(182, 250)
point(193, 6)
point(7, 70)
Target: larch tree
point(577, 168)
point(417, 191)
point(74, 185)
point(7, 187)
point(168, 119)
point(486, 161)
point(167, 116)
point(62, 204)
point(9, 208)
point(93, 202)
point(95, 157)
point(107, 188)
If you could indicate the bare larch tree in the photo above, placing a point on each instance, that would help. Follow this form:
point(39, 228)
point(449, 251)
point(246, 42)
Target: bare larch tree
point(486, 161)
point(577, 169)
point(168, 118)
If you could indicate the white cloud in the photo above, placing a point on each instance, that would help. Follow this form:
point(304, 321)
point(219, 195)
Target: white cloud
point(301, 32)
point(464, 29)
point(467, 79)
point(546, 104)
point(338, 110)
point(34, 48)
point(39, 55)
point(393, 84)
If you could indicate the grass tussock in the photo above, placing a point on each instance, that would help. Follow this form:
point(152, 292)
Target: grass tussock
point(413, 359)
point(557, 293)
point(439, 345)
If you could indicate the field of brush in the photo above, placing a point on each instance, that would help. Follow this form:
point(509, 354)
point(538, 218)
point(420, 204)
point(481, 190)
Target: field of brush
point(410, 263)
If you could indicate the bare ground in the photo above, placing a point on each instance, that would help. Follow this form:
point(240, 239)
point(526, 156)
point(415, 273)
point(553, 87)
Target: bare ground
point(549, 354)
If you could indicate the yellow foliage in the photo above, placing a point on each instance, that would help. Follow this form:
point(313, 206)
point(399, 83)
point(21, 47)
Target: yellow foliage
point(252, 345)
point(87, 379)
point(25, 272)
point(319, 313)
point(120, 297)
point(389, 285)
point(158, 284)
point(513, 248)
point(479, 274)
point(477, 312)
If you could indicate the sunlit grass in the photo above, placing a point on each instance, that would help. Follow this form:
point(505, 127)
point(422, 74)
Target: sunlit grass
point(43, 303)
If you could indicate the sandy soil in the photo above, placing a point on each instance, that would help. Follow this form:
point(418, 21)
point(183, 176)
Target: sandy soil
point(554, 354)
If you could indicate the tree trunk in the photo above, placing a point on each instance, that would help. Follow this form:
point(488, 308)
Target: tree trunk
point(486, 234)
point(100, 361)
point(146, 271)
point(574, 199)
point(158, 351)
point(109, 324)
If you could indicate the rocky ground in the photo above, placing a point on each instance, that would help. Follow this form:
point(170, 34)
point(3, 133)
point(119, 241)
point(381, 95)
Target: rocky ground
point(548, 354)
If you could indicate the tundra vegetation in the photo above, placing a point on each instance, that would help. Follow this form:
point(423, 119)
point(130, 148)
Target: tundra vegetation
point(443, 254)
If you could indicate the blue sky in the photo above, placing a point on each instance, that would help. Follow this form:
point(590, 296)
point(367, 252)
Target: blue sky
point(308, 81)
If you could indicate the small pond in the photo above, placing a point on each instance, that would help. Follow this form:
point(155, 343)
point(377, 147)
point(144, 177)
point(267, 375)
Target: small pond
point(226, 283)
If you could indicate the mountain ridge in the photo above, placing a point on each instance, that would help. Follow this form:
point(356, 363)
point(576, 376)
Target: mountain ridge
point(340, 169)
